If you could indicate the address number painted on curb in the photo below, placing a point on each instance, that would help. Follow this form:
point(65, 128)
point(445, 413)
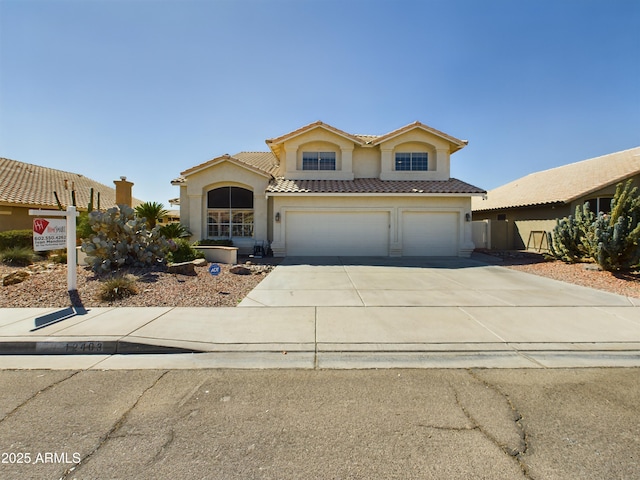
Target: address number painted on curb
point(214, 269)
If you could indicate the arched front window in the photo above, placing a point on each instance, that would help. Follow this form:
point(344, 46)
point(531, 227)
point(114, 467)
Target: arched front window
point(229, 212)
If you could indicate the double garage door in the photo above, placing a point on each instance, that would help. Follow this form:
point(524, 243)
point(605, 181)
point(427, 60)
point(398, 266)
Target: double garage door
point(368, 233)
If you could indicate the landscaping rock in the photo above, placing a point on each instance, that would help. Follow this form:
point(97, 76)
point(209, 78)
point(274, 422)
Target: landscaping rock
point(184, 268)
point(14, 278)
point(200, 262)
point(240, 270)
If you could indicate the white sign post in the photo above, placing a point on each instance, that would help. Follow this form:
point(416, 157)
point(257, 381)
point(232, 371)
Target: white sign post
point(54, 234)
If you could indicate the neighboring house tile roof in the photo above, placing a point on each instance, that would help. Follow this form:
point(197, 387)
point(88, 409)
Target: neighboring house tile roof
point(563, 184)
point(373, 185)
point(27, 185)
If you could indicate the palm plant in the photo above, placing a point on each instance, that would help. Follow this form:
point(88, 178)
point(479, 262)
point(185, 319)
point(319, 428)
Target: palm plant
point(174, 230)
point(151, 212)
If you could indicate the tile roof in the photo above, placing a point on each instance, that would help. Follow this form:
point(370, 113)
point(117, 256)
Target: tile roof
point(563, 184)
point(265, 162)
point(311, 126)
point(373, 185)
point(24, 184)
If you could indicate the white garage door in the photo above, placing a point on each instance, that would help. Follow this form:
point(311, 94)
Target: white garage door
point(433, 234)
point(337, 233)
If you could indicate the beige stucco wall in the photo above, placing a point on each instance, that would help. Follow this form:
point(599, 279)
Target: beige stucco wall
point(366, 162)
point(193, 199)
point(15, 218)
point(416, 141)
point(317, 139)
point(395, 205)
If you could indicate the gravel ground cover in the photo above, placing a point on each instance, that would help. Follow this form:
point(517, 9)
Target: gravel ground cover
point(585, 274)
point(46, 286)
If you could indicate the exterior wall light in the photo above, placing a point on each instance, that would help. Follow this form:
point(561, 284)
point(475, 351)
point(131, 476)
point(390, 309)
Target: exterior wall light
point(277, 216)
point(467, 217)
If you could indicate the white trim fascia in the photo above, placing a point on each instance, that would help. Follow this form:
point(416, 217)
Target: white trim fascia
point(237, 163)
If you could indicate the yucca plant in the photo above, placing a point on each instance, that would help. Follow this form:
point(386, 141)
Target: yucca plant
point(151, 212)
point(174, 230)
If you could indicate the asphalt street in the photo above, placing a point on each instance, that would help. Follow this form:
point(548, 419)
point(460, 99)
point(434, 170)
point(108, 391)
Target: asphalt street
point(231, 424)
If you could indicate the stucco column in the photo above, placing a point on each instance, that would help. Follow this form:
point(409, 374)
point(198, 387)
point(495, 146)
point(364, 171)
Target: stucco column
point(196, 213)
point(347, 159)
point(442, 163)
point(386, 163)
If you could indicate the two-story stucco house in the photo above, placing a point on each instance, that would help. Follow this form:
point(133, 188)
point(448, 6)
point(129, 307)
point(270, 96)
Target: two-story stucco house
point(322, 191)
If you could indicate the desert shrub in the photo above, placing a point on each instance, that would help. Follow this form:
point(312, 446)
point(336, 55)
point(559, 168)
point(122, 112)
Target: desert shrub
point(120, 238)
point(57, 256)
point(116, 288)
point(16, 239)
point(205, 242)
point(18, 256)
point(183, 252)
point(174, 230)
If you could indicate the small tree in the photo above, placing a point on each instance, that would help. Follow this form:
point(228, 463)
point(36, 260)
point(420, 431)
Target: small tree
point(151, 212)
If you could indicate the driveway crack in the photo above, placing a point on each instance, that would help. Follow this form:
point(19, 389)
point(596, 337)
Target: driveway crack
point(518, 453)
point(116, 426)
point(39, 392)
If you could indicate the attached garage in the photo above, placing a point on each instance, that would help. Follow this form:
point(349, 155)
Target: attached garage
point(350, 233)
point(429, 234)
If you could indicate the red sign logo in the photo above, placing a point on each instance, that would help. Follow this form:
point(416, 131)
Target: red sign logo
point(39, 225)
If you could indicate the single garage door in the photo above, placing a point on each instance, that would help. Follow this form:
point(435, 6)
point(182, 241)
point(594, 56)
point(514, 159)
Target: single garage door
point(337, 233)
point(429, 234)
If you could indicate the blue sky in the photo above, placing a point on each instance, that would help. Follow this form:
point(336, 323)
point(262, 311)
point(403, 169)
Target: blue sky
point(149, 88)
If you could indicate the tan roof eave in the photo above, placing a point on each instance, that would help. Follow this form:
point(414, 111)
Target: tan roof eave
point(224, 158)
point(455, 142)
point(311, 126)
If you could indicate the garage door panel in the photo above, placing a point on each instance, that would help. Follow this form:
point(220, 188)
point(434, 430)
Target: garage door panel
point(430, 234)
point(337, 233)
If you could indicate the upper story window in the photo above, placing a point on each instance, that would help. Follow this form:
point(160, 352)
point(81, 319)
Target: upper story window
point(411, 161)
point(318, 160)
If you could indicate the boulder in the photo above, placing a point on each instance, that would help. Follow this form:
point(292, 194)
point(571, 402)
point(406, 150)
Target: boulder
point(240, 270)
point(200, 262)
point(184, 268)
point(15, 277)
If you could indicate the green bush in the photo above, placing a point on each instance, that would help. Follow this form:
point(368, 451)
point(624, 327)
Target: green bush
point(205, 242)
point(116, 288)
point(18, 256)
point(83, 226)
point(16, 238)
point(120, 238)
point(183, 252)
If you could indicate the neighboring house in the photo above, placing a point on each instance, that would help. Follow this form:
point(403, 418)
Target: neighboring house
point(24, 186)
point(323, 191)
point(172, 216)
point(522, 212)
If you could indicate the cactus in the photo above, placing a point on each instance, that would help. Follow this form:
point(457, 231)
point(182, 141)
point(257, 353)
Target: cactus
point(570, 241)
point(60, 207)
point(122, 239)
point(616, 237)
point(90, 206)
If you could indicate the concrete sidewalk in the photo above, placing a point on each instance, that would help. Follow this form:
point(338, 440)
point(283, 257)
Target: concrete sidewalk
point(322, 337)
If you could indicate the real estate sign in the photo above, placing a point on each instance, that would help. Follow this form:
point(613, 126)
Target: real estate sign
point(49, 234)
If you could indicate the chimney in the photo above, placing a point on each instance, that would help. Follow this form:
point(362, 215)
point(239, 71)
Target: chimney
point(123, 191)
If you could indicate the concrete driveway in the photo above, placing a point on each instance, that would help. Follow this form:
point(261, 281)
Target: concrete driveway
point(415, 282)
